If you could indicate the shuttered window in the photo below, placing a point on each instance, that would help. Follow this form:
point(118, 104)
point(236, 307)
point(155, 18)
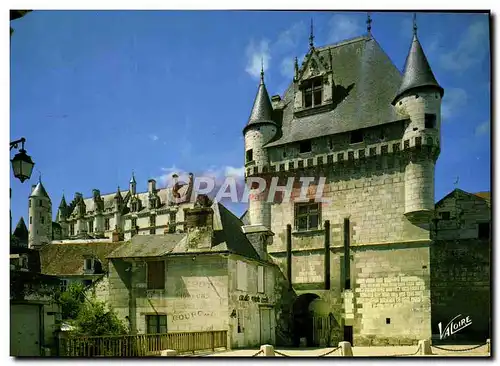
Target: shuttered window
point(260, 279)
point(156, 324)
point(156, 275)
point(241, 275)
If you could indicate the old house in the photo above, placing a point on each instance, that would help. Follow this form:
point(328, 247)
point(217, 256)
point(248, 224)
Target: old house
point(213, 277)
point(34, 315)
point(461, 264)
point(82, 261)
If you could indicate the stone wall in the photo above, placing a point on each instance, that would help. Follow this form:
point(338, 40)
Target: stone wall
point(391, 284)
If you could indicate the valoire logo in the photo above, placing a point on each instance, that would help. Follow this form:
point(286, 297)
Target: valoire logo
point(454, 326)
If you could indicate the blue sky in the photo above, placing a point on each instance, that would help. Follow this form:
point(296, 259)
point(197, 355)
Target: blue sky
point(98, 94)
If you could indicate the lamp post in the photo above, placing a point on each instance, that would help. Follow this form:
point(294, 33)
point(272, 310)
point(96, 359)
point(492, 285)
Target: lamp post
point(22, 165)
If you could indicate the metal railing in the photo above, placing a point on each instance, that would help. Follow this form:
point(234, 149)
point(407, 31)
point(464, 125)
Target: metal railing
point(142, 344)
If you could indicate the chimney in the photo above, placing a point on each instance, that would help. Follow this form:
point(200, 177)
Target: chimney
point(151, 186)
point(96, 193)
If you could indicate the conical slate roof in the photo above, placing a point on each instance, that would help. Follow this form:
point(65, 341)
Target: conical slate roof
point(21, 231)
point(63, 203)
point(417, 72)
point(132, 180)
point(262, 110)
point(118, 194)
point(39, 191)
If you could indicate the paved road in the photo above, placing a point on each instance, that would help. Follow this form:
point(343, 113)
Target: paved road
point(361, 352)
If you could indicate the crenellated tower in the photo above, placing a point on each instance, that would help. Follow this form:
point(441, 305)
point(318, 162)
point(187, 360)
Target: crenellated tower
point(419, 100)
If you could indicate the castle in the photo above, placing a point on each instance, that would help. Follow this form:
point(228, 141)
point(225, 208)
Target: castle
point(359, 263)
point(350, 116)
point(101, 216)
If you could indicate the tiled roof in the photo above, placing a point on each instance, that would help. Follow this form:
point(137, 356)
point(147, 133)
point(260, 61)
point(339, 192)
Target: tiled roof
point(147, 246)
point(68, 259)
point(366, 82)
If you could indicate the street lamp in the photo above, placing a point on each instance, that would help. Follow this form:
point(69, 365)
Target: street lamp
point(22, 165)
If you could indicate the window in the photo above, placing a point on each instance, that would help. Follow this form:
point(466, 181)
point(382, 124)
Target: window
point(305, 146)
point(71, 229)
point(483, 230)
point(445, 215)
point(63, 286)
point(260, 279)
point(156, 324)
point(91, 226)
point(133, 223)
point(387, 320)
point(249, 155)
point(42, 218)
point(39, 203)
point(171, 223)
point(156, 275)
point(89, 264)
point(133, 206)
point(356, 136)
point(306, 216)
point(312, 93)
point(241, 276)
point(430, 120)
point(31, 220)
point(106, 224)
point(30, 203)
point(87, 283)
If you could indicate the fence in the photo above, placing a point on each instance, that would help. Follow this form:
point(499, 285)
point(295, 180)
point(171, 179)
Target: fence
point(142, 344)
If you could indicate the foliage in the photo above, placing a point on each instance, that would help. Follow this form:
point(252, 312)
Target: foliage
point(95, 319)
point(71, 301)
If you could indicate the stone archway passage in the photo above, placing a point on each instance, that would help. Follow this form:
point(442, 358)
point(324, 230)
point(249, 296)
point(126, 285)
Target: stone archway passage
point(303, 323)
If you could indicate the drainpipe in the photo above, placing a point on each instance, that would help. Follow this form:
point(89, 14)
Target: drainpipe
point(289, 254)
point(327, 254)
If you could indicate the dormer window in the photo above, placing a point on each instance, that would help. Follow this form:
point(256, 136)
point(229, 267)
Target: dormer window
point(312, 93)
point(88, 264)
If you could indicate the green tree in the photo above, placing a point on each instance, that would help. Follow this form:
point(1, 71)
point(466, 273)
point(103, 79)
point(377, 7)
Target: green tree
point(71, 301)
point(96, 319)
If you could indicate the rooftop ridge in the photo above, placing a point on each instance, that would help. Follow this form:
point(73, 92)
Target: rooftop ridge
point(344, 42)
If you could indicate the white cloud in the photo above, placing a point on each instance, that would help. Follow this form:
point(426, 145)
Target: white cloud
point(453, 100)
point(290, 38)
point(343, 27)
point(287, 67)
point(483, 128)
point(153, 137)
point(256, 53)
point(471, 49)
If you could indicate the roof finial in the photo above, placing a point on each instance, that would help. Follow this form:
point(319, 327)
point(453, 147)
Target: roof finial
point(40, 176)
point(369, 24)
point(262, 70)
point(414, 24)
point(311, 37)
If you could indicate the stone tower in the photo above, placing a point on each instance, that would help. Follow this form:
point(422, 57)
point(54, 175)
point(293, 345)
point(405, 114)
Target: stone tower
point(62, 216)
point(117, 209)
point(259, 130)
point(40, 217)
point(419, 100)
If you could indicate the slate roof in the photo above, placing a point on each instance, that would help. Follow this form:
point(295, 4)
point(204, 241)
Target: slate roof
point(68, 259)
point(366, 82)
point(21, 231)
point(486, 196)
point(227, 237)
point(39, 191)
point(262, 110)
point(417, 71)
point(147, 246)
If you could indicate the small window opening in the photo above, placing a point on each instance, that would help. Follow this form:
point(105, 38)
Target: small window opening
point(356, 136)
point(305, 146)
point(445, 215)
point(387, 320)
point(484, 230)
point(249, 155)
point(430, 120)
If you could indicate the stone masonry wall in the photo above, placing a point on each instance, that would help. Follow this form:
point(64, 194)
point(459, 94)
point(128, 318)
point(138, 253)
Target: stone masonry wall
point(392, 294)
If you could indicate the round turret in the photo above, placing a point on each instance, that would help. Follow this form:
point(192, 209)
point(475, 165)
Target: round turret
point(40, 217)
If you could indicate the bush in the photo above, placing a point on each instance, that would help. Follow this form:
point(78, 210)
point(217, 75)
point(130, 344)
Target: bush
point(95, 319)
point(71, 301)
